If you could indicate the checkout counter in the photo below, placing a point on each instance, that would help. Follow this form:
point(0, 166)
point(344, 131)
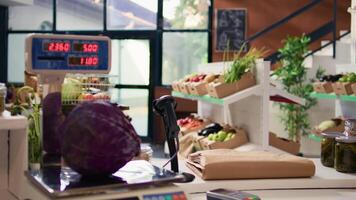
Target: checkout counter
point(162, 184)
point(325, 184)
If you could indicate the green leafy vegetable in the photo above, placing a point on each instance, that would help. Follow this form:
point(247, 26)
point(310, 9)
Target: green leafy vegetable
point(242, 64)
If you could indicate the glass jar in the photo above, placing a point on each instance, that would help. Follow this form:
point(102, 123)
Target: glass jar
point(328, 148)
point(350, 127)
point(345, 154)
point(2, 97)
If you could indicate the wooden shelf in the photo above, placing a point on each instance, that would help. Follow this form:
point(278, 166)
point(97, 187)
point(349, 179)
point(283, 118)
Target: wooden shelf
point(314, 137)
point(254, 90)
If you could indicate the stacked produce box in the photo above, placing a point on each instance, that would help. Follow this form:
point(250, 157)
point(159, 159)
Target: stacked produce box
point(213, 85)
point(237, 77)
point(340, 84)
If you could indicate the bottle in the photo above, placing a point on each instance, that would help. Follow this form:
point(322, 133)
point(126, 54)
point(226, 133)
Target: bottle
point(345, 154)
point(328, 148)
point(2, 97)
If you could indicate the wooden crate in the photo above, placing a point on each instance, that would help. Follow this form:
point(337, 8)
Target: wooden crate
point(199, 88)
point(239, 139)
point(342, 88)
point(221, 90)
point(323, 87)
point(284, 144)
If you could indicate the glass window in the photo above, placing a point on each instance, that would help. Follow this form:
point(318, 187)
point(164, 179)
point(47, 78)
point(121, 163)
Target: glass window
point(80, 14)
point(137, 99)
point(132, 14)
point(182, 53)
point(131, 61)
point(186, 14)
point(16, 58)
point(35, 17)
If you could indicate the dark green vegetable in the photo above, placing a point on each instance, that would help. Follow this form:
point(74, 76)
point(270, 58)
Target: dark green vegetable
point(211, 128)
point(242, 64)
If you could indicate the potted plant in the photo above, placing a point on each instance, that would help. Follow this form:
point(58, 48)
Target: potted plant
point(293, 76)
point(28, 103)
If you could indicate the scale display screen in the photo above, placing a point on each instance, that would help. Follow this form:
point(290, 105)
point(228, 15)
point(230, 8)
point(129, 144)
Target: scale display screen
point(68, 53)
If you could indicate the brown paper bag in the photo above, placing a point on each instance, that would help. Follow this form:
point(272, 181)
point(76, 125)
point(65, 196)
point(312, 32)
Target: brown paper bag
point(231, 164)
point(186, 145)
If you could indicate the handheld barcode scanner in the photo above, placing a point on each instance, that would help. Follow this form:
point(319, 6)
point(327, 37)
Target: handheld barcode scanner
point(51, 57)
point(165, 107)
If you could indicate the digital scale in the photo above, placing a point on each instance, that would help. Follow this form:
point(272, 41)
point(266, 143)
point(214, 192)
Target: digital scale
point(51, 57)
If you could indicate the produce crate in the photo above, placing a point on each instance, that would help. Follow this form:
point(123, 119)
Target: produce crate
point(175, 86)
point(184, 87)
point(353, 88)
point(323, 87)
point(284, 144)
point(221, 90)
point(197, 142)
point(342, 88)
point(239, 139)
point(199, 88)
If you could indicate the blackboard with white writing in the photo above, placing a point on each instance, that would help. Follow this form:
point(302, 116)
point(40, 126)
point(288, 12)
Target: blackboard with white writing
point(230, 29)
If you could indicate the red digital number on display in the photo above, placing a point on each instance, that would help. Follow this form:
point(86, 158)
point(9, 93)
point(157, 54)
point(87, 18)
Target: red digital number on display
point(90, 61)
point(91, 48)
point(57, 46)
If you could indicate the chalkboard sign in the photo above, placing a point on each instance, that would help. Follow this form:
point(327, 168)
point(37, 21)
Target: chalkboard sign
point(230, 28)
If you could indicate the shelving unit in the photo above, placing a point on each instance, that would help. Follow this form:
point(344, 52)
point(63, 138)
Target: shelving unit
point(240, 109)
point(344, 104)
point(255, 90)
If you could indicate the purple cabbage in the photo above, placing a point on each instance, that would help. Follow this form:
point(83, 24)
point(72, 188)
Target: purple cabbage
point(98, 139)
point(53, 118)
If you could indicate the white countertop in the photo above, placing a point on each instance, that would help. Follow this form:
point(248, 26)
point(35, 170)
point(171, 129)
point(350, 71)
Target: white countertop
point(324, 178)
point(8, 122)
point(314, 188)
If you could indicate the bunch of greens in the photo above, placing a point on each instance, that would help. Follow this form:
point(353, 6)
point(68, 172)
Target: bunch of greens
point(242, 64)
point(293, 76)
point(27, 103)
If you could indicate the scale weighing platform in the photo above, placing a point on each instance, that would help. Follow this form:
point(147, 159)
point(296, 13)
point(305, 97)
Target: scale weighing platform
point(136, 180)
point(51, 57)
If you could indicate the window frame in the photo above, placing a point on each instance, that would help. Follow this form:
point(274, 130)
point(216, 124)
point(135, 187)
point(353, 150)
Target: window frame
point(153, 35)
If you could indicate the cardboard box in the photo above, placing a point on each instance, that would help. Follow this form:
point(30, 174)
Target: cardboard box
point(197, 142)
point(342, 88)
point(284, 144)
point(221, 90)
point(239, 139)
point(353, 88)
point(175, 86)
point(199, 88)
point(184, 87)
point(185, 131)
point(323, 87)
